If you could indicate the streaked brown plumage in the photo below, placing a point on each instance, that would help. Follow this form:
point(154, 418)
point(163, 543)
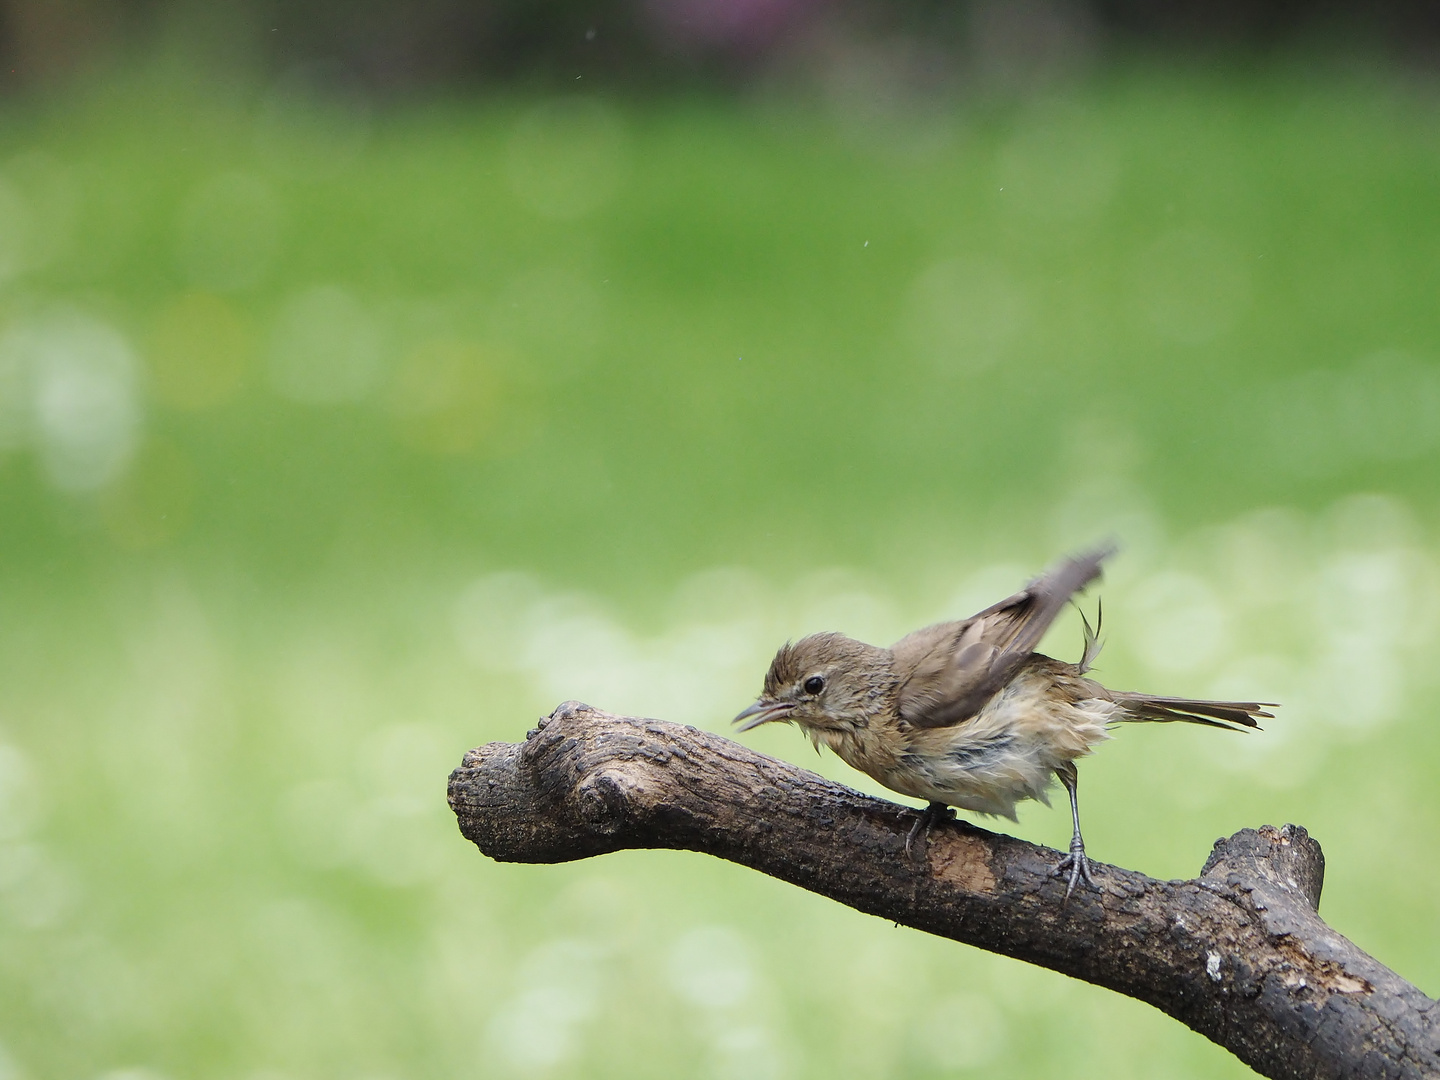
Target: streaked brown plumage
point(966, 713)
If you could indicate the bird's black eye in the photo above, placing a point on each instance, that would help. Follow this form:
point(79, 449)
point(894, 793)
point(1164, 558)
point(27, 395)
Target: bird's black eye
point(814, 684)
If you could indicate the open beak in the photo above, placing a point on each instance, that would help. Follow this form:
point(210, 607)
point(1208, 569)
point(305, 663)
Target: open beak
point(762, 712)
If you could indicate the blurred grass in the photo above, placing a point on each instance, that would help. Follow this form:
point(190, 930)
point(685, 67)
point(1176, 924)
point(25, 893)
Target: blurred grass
point(378, 356)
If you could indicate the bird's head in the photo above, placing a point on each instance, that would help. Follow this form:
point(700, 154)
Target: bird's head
point(825, 682)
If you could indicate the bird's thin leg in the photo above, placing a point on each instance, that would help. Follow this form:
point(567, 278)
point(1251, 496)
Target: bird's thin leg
point(935, 811)
point(1075, 862)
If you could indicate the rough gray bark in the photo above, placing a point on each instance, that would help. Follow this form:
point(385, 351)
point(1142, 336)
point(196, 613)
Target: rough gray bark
point(1239, 953)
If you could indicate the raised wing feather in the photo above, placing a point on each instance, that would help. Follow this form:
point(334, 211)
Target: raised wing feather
point(951, 669)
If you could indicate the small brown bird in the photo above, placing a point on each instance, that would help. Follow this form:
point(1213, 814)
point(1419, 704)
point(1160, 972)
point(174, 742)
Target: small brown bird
point(966, 713)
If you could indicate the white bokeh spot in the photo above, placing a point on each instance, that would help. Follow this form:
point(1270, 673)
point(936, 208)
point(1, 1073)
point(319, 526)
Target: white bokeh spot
point(68, 386)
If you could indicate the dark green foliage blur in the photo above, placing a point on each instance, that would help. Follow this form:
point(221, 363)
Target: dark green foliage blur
point(392, 48)
point(336, 439)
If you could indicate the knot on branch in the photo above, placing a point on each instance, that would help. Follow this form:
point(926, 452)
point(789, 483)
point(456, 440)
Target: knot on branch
point(568, 791)
point(604, 800)
point(1286, 857)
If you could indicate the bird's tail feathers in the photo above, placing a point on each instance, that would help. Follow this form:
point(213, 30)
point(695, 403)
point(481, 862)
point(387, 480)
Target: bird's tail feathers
point(1230, 715)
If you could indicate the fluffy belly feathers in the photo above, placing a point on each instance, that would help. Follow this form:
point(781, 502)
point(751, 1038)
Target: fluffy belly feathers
point(1006, 753)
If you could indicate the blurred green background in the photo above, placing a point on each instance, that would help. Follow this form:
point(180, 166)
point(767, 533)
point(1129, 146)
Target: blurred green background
point(339, 434)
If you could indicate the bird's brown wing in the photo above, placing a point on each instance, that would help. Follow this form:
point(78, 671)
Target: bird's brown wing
point(951, 669)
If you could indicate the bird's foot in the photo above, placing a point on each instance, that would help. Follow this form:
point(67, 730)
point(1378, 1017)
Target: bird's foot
point(1078, 865)
point(931, 814)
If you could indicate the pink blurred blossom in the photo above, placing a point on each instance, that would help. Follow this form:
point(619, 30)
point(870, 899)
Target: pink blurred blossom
point(741, 25)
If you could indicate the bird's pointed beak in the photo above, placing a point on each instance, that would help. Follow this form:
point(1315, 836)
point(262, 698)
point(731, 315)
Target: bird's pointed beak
point(762, 712)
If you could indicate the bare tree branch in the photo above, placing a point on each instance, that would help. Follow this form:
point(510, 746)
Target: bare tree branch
point(1239, 953)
